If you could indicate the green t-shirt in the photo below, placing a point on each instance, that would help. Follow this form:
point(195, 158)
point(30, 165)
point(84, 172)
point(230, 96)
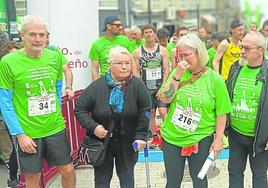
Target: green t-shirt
point(62, 58)
point(135, 45)
point(211, 54)
point(33, 81)
point(245, 101)
point(100, 50)
point(170, 47)
point(208, 97)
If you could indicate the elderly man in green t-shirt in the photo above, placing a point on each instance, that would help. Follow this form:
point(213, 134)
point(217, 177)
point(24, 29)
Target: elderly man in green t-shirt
point(248, 135)
point(30, 94)
point(100, 49)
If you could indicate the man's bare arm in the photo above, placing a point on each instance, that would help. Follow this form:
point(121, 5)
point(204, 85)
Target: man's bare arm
point(135, 63)
point(220, 51)
point(69, 81)
point(165, 64)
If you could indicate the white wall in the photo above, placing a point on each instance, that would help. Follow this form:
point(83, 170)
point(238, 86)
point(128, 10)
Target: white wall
point(73, 26)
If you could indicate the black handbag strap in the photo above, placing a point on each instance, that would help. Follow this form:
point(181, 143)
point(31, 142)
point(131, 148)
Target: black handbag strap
point(110, 129)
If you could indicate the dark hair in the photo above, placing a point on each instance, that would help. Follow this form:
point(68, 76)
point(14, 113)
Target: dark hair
point(264, 24)
point(181, 28)
point(7, 46)
point(148, 26)
point(220, 36)
point(162, 33)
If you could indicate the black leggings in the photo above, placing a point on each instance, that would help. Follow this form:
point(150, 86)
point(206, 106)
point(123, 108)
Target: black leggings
point(174, 163)
point(13, 164)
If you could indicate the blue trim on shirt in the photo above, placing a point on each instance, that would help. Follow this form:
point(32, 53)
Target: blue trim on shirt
point(59, 90)
point(8, 112)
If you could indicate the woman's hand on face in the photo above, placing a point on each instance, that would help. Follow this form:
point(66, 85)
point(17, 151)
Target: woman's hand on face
point(182, 66)
point(141, 144)
point(100, 132)
point(217, 147)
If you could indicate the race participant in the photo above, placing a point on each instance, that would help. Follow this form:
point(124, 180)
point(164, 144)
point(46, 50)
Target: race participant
point(137, 39)
point(216, 39)
point(182, 31)
point(198, 108)
point(151, 60)
point(100, 49)
point(163, 37)
point(248, 134)
point(30, 94)
point(228, 50)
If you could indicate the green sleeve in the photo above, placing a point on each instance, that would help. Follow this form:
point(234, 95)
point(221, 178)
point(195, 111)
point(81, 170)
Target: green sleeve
point(6, 78)
point(130, 47)
point(222, 100)
point(61, 62)
point(94, 53)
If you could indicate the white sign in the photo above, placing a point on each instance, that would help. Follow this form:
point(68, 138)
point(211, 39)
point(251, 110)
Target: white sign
point(73, 27)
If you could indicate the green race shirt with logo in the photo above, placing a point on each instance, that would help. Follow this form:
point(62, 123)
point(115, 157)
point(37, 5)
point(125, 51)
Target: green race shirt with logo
point(33, 81)
point(101, 48)
point(208, 97)
point(245, 101)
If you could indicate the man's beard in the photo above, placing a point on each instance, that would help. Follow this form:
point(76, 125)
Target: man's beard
point(243, 61)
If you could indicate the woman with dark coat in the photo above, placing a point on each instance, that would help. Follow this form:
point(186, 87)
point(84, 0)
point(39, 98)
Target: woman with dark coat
point(125, 96)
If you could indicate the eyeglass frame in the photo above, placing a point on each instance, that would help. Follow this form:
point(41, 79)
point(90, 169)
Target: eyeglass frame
point(183, 56)
point(117, 25)
point(247, 48)
point(121, 63)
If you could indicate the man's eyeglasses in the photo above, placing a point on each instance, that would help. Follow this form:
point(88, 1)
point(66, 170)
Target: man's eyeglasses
point(117, 25)
point(247, 48)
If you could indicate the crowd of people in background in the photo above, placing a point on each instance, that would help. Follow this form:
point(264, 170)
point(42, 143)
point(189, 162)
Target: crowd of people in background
point(206, 87)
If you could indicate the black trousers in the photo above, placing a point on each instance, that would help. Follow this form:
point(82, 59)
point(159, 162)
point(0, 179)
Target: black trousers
point(174, 163)
point(241, 147)
point(104, 173)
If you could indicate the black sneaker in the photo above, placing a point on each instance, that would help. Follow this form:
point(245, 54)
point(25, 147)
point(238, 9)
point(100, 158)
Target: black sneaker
point(12, 183)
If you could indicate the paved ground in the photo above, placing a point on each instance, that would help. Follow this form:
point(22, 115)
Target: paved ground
point(85, 177)
point(3, 176)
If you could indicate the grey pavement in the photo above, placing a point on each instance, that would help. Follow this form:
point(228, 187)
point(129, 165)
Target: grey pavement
point(85, 177)
point(3, 176)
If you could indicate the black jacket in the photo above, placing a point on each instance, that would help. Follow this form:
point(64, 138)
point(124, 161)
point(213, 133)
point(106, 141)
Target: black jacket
point(261, 126)
point(133, 120)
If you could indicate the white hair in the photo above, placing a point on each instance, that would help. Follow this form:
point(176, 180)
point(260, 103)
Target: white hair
point(193, 41)
point(261, 40)
point(136, 30)
point(32, 19)
point(116, 51)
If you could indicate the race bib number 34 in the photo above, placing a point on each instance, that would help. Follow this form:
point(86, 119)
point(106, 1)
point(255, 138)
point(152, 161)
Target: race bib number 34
point(153, 73)
point(41, 105)
point(185, 119)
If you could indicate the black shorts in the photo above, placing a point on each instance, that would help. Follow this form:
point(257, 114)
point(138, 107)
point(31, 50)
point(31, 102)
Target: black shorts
point(157, 103)
point(55, 149)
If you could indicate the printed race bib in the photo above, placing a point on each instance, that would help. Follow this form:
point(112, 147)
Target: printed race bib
point(41, 105)
point(153, 73)
point(185, 119)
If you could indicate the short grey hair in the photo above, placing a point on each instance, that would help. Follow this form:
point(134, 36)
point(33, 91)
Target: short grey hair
point(193, 41)
point(32, 19)
point(136, 30)
point(261, 40)
point(116, 51)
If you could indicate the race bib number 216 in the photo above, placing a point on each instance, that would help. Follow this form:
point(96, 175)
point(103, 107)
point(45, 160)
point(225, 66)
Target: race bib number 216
point(185, 119)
